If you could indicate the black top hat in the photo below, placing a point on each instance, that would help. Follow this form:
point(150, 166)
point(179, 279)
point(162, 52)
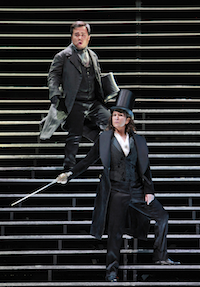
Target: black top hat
point(125, 102)
point(110, 87)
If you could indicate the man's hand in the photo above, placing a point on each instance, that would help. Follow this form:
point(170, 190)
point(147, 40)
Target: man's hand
point(149, 198)
point(63, 177)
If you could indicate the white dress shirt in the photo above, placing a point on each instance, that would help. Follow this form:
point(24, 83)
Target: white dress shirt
point(124, 144)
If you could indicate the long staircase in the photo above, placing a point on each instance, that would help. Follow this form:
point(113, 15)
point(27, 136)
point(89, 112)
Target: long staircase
point(153, 50)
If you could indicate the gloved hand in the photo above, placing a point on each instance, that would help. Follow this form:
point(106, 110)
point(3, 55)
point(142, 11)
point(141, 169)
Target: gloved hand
point(63, 177)
point(54, 100)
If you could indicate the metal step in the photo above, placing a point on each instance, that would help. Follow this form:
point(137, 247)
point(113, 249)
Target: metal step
point(94, 284)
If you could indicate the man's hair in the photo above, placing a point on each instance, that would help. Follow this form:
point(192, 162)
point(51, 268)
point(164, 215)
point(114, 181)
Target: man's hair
point(80, 24)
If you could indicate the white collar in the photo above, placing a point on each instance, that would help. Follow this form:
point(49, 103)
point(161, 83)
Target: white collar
point(124, 144)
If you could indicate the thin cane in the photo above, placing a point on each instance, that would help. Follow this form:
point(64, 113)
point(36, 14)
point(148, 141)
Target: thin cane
point(38, 190)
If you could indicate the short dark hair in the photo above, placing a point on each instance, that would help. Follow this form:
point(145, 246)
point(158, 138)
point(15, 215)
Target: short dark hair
point(80, 24)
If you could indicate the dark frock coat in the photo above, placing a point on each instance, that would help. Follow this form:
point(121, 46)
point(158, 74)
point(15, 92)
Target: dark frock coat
point(66, 72)
point(64, 79)
point(140, 226)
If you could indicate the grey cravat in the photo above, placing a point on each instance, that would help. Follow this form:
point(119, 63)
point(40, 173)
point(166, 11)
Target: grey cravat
point(84, 56)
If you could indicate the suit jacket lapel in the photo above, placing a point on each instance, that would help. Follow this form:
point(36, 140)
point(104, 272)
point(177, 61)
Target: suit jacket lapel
point(131, 142)
point(96, 69)
point(75, 61)
point(104, 147)
point(93, 60)
point(117, 145)
point(142, 151)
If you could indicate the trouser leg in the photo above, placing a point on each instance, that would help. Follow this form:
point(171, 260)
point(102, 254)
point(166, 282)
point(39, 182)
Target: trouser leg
point(161, 229)
point(71, 149)
point(118, 206)
point(74, 126)
point(98, 116)
point(156, 212)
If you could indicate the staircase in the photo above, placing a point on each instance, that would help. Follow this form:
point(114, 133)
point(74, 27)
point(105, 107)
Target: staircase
point(153, 50)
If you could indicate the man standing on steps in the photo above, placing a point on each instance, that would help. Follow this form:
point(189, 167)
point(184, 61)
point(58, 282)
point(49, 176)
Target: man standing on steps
point(76, 70)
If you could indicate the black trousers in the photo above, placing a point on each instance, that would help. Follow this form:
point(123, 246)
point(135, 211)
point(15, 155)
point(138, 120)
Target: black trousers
point(86, 119)
point(118, 207)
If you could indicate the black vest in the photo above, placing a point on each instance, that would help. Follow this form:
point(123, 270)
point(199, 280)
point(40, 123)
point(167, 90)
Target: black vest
point(86, 90)
point(123, 169)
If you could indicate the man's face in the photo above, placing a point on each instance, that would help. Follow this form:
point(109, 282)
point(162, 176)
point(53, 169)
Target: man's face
point(80, 37)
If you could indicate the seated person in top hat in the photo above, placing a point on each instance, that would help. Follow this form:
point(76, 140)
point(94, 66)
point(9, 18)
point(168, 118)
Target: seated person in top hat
point(126, 189)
